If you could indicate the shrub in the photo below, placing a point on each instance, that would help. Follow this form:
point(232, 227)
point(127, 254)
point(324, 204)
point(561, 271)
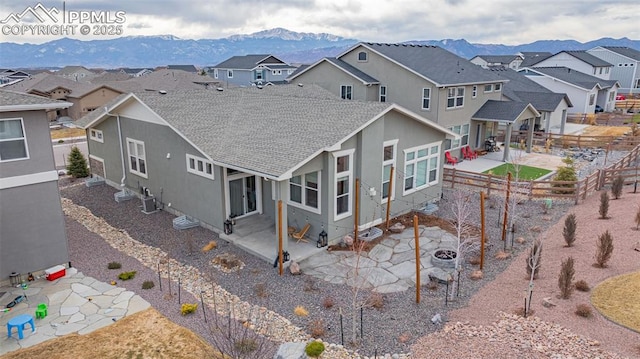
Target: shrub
point(584, 310)
point(604, 205)
point(246, 345)
point(432, 285)
point(188, 308)
point(300, 311)
point(261, 290)
point(114, 265)
point(148, 284)
point(533, 264)
point(582, 286)
point(566, 173)
point(474, 260)
point(604, 249)
point(569, 231)
point(127, 275)
point(376, 300)
point(314, 349)
point(317, 328)
point(566, 278)
point(616, 187)
point(77, 166)
point(328, 302)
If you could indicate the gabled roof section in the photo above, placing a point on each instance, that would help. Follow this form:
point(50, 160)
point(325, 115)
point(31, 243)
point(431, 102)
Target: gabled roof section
point(163, 79)
point(521, 88)
point(498, 59)
point(68, 70)
point(45, 83)
point(187, 68)
point(248, 62)
point(574, 77)
point(503, 111)
point(531, 58)
point(17, 101)
point(432, 63)
point(543, 101)
point(298, 71)
point(345, 67)
point(267, 131)
point(624, 51)
point(588, 58)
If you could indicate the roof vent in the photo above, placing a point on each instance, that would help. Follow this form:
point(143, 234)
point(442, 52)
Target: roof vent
point(162, 92)
point(300, 84)
point(219, 89)
point(259, 87)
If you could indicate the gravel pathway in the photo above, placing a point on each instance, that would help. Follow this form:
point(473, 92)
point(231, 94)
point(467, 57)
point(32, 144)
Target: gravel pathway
point(391, 329)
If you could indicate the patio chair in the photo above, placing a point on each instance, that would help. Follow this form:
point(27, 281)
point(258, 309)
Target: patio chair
point(41, 312)
point(300, 234)
point(449, 159)
point(468, 153)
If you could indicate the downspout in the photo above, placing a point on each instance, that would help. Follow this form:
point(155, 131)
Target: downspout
point(124, 173)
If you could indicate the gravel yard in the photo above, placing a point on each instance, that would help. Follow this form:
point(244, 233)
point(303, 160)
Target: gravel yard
point(391, 329)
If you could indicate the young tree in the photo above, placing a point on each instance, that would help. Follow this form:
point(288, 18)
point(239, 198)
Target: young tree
point(461, 221)
point(77, 166)
point(565, 280)
point(604, 249)
point(616, 187)
point(357, 281)
point(604, 204)
point(534, 260)
point(566, 173)
point(569, 231)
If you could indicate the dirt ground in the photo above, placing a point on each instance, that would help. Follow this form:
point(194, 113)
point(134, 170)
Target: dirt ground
point(605, 130)
point(147, 334)
point(67, 132)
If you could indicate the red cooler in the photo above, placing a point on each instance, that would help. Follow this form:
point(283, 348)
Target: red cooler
point(56, 272)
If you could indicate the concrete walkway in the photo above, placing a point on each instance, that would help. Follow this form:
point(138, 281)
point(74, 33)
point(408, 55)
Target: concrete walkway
point(389, 267)
point(76, 304)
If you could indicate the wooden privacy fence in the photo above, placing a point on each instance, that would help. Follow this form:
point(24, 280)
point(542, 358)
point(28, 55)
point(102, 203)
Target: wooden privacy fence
point(622, 143)
point(575, 190)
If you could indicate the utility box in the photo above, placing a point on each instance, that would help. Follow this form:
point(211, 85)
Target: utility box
point(148, 204)
point(56, 272)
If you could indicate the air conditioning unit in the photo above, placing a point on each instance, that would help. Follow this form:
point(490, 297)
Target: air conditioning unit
point(149, 204)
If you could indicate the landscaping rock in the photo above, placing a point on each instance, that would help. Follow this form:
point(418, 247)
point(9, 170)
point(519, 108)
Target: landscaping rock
point(547, 303)
point(476, 274)
point(397, 228)
point(294, 268)
point(291, 351)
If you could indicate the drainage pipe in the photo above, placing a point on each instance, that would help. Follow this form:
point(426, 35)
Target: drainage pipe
point(124, 173)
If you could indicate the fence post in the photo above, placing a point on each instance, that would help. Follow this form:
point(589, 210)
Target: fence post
point(586, 188)
point(453, 178)
point(488, 185)
point(577, 192)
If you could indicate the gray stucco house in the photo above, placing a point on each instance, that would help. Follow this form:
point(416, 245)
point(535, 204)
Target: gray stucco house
point(246, 70)
point(32, 230)
point(216, 154)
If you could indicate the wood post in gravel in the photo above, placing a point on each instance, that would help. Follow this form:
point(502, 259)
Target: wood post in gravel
point(417, 239)
point(389, 198)
point(506, 210)
point(482, 239)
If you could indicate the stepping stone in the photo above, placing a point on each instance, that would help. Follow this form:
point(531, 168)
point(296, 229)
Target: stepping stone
point(74, 300)
point(321, 259)
point(137, 304)
point(84, 290)
point(440, 275)
point(102, 287)
point(401, 247)
point(430, 246)
point(124, 296)
point(114, 291)
point(399, 286)
point(385, 265)
point(89, 308)
point(59, 297)
point(380, 253)
point(433, 232)
point(389, 242)
point(64, 329)
point(424, 277)
point(402, 257)
point(403, 270)
point(364, 262)
point(76, 318)
point(378, 277)
point(96, 325)
point(291, 351)
point(69, 310)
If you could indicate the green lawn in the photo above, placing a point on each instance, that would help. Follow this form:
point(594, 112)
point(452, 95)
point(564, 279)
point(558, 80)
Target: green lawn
point(526, 172)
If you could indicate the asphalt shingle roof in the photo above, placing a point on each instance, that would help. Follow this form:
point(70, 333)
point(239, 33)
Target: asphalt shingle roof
point(625, 51)
point(588, 58)
point(502, 59)
point(575, 77)
point(164, 79)
point(246, 62)
point(435, 63)
point(187, 68)
point(13, 98)
point(268, 130)
point(45, 83)
point(500, 110)
point(352, 70)
point(532, 58)
point(521, 88)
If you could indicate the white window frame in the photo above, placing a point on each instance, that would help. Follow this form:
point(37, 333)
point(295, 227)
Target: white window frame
point(137, 171)
point(200, 166)
point(303, 193)
point(459, 142)
point(229, 74)
point(426, 98)
point(474, 91)
point(434, 151)
point(96, 135)
point(256, 73)
point(392, 163)
point(456, 96)
point(382, 95)
point(497, 87)
point(337, 175)
point(366, 56)
point(215, 73)
point(488, 88)
point(346, 92)
point(23, 138)
point(276, 72)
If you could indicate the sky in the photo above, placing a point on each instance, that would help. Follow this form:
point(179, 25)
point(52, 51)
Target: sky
point(508, 22)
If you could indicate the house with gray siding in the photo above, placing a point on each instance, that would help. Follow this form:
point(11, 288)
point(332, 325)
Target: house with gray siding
point(237, 153)
point(249, 70)
point(427, 80)
point(510, 61)
point(32, 230)
point(580, 61)
point(625, 61)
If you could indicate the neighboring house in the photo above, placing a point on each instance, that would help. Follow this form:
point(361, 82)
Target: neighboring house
point(427, 80)
point(219, 154)
point(625, 63)
point(578, 60)
point(137, 72)
point(8, 75)
point(186, 68)
point(584, 91)
point(164, 79)
point(87, 100)
point(75, 73)
point(509, 61)
point(530, 58)
point(553, 107)
point(32, 230)
point(252, 70)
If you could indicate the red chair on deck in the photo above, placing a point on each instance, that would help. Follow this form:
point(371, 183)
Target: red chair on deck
point(468, 153)
point(450, 160)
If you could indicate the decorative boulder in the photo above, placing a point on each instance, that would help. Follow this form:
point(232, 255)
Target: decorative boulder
point(348, 240)
point(397, 228)
point(476, 274)
point(294, 268)
point(291, 351)
point(547, 303)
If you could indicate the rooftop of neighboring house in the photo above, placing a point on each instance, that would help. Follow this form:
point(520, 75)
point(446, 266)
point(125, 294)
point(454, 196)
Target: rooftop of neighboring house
point(17, 101)
point(249, 62)
point(351, 70)
point(70, 70)
point(624, 51)
point(268, 130)
point(498, 59)
point(574, 77)
point(163, 79)
point(588, 58)
point(110, 76)
point(521, 88)
point(507, 111)
point(46, 82)
point(531, 58)
point(438, 65)
point(187, 68)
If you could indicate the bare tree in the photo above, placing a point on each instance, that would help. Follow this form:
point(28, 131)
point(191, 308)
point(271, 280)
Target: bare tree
point(533, 266)
point(357, 281)
point(466, 241)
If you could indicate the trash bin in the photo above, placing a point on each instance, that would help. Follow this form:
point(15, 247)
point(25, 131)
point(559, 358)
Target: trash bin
point(15, 279)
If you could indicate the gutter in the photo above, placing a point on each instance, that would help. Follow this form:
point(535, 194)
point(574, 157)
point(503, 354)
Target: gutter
point(124, 173)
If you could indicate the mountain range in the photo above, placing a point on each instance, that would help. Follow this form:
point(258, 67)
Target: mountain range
point(290, 46)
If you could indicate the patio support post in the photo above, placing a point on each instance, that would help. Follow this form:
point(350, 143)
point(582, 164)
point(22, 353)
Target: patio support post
point(507, 142)
point(530, 134)
point(417, 243)
point(279, 234)
point(281, 194)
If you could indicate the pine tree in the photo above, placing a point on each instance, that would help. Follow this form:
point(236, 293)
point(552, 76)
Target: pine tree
point(77, 166)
